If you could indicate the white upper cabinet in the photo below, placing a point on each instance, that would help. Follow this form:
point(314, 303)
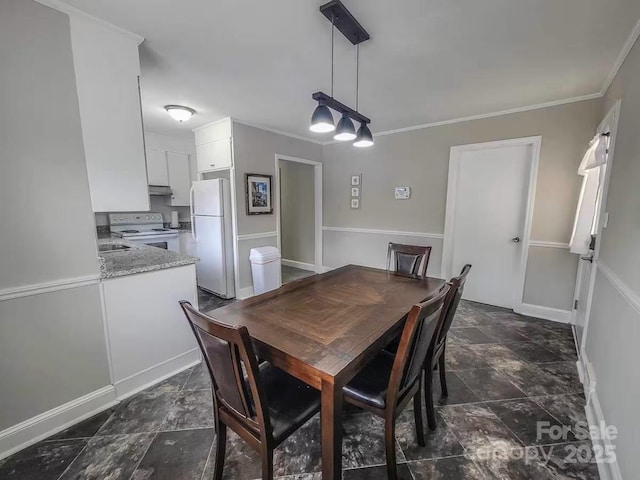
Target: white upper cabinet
point(214, 155)
point(157, 169)
point(214, 146)
point(179, 178)
point(107, 68)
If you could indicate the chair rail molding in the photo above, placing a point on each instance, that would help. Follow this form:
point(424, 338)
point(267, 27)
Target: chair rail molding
point(622, 288)
point(47, 287)
point(383, 232)
point(545, 244)
point(255, 236)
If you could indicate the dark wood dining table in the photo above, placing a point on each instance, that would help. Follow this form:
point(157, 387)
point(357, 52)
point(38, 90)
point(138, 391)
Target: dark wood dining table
point(323, 329)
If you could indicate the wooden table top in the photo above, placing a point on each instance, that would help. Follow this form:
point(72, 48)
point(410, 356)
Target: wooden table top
point(326, 325)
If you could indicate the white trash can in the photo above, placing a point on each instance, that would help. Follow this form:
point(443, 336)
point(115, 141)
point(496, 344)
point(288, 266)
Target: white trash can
point(265, 269)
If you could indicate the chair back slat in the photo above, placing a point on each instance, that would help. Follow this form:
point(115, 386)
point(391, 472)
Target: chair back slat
point(408, 259)
point(417, 337)
point(233, 367)
point(451, 304)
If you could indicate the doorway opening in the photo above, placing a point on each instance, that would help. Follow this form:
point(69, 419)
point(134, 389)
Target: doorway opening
point(488, 217)
point(298, 198)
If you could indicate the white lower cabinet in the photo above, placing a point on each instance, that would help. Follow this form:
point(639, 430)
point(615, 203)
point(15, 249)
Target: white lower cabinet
point(149, 337)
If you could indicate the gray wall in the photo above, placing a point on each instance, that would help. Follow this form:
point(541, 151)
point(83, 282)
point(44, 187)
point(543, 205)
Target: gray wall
point(297, 211)
point(614, 327)
point(420, 159)
point(254, 151)
point(53, 346)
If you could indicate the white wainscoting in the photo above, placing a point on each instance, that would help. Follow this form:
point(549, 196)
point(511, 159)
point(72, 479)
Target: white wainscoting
point(596, 418)
point(37, 428)
point(542, 243)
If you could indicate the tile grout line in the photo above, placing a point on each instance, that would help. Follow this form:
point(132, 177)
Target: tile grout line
point(74, 459)
point(143, 455)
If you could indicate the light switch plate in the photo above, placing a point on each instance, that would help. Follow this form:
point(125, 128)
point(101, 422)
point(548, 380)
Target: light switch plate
point(402, 193)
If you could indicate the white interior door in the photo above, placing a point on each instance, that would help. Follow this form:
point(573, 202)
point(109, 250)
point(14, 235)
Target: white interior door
point(488, 218)
point(587, 267)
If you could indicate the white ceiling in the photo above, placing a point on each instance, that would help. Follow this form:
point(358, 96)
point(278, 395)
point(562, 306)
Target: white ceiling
point(427, 60)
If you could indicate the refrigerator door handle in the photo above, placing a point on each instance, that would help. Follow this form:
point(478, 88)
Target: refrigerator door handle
point(193, 218)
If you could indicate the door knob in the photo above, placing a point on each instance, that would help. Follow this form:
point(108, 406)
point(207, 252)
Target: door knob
point(587, 259)
point(515, 239)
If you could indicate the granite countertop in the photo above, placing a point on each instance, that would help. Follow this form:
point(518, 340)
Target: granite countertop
point(137, 259)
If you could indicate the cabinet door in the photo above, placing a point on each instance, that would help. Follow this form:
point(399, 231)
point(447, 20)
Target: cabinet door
point(214, 155)
point(157, 171)
point(179, 178)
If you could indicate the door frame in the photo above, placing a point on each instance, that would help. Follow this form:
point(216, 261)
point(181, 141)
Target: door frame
point(535, 143)
point(317, 180)
point(610, 123)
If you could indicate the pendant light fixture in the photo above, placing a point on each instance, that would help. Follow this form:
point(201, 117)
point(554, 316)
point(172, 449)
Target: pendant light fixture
point(322, 118)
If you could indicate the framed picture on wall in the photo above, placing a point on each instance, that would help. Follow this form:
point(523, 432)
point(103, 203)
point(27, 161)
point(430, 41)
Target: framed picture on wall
point(258, 192)
point(355, 203)
point(355, 191)
point(355, 180)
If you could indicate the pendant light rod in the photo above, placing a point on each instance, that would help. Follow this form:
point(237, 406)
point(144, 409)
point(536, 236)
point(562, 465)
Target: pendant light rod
point(333, 29)
point(357, 74)
point(334, 104)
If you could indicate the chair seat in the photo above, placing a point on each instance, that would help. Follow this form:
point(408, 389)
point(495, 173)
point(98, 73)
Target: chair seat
point(371, 384)
point(290, 402)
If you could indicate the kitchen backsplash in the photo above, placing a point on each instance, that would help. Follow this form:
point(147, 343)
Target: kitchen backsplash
point(157, 205)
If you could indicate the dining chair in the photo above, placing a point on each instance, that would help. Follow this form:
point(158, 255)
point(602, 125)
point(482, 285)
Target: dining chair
point(388, 383)
point(436, 355)
point(408, 259)
point(261, 403)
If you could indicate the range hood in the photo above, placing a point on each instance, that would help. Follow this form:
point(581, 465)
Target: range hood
point(161, 190)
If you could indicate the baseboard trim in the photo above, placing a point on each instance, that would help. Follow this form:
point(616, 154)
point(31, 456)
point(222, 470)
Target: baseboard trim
point(246, 292)
point(546, 313)
point(301, 265)
point(596, 419)
point(31, 431)
point(136, 383)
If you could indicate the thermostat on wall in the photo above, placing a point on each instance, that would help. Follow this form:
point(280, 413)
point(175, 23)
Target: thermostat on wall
point(402, 193)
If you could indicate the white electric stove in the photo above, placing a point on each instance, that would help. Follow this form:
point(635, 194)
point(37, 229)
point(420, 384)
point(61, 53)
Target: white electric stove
point(145, 229)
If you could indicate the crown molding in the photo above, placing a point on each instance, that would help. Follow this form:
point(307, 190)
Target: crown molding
point(278, 132)
point(69, 10)
point(626, 49)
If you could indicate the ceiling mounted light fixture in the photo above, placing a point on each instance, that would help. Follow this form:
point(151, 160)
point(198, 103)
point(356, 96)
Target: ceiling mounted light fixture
point(322, 119)
point(179, 113)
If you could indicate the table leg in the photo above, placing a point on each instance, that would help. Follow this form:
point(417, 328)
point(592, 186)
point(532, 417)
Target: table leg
point(331, 419)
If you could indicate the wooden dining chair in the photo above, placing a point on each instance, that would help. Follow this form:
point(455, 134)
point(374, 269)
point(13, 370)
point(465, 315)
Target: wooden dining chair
point(388, 383)
point(408, 259)
point(262, 404)
point(436, 355)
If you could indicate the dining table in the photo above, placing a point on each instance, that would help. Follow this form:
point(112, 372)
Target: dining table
point(325, 328)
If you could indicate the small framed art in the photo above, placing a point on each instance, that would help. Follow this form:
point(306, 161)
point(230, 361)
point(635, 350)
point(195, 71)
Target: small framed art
point(258, 192)
point(355, 203)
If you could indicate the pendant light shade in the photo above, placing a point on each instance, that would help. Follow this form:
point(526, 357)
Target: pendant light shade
point(364, 138)
point(345, 130)
point(322, 120)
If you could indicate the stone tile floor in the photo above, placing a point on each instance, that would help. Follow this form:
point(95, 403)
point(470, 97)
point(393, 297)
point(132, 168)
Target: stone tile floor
point(506, 373)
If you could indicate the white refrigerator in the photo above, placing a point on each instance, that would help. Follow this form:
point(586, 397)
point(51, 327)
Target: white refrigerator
point(213, 236)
